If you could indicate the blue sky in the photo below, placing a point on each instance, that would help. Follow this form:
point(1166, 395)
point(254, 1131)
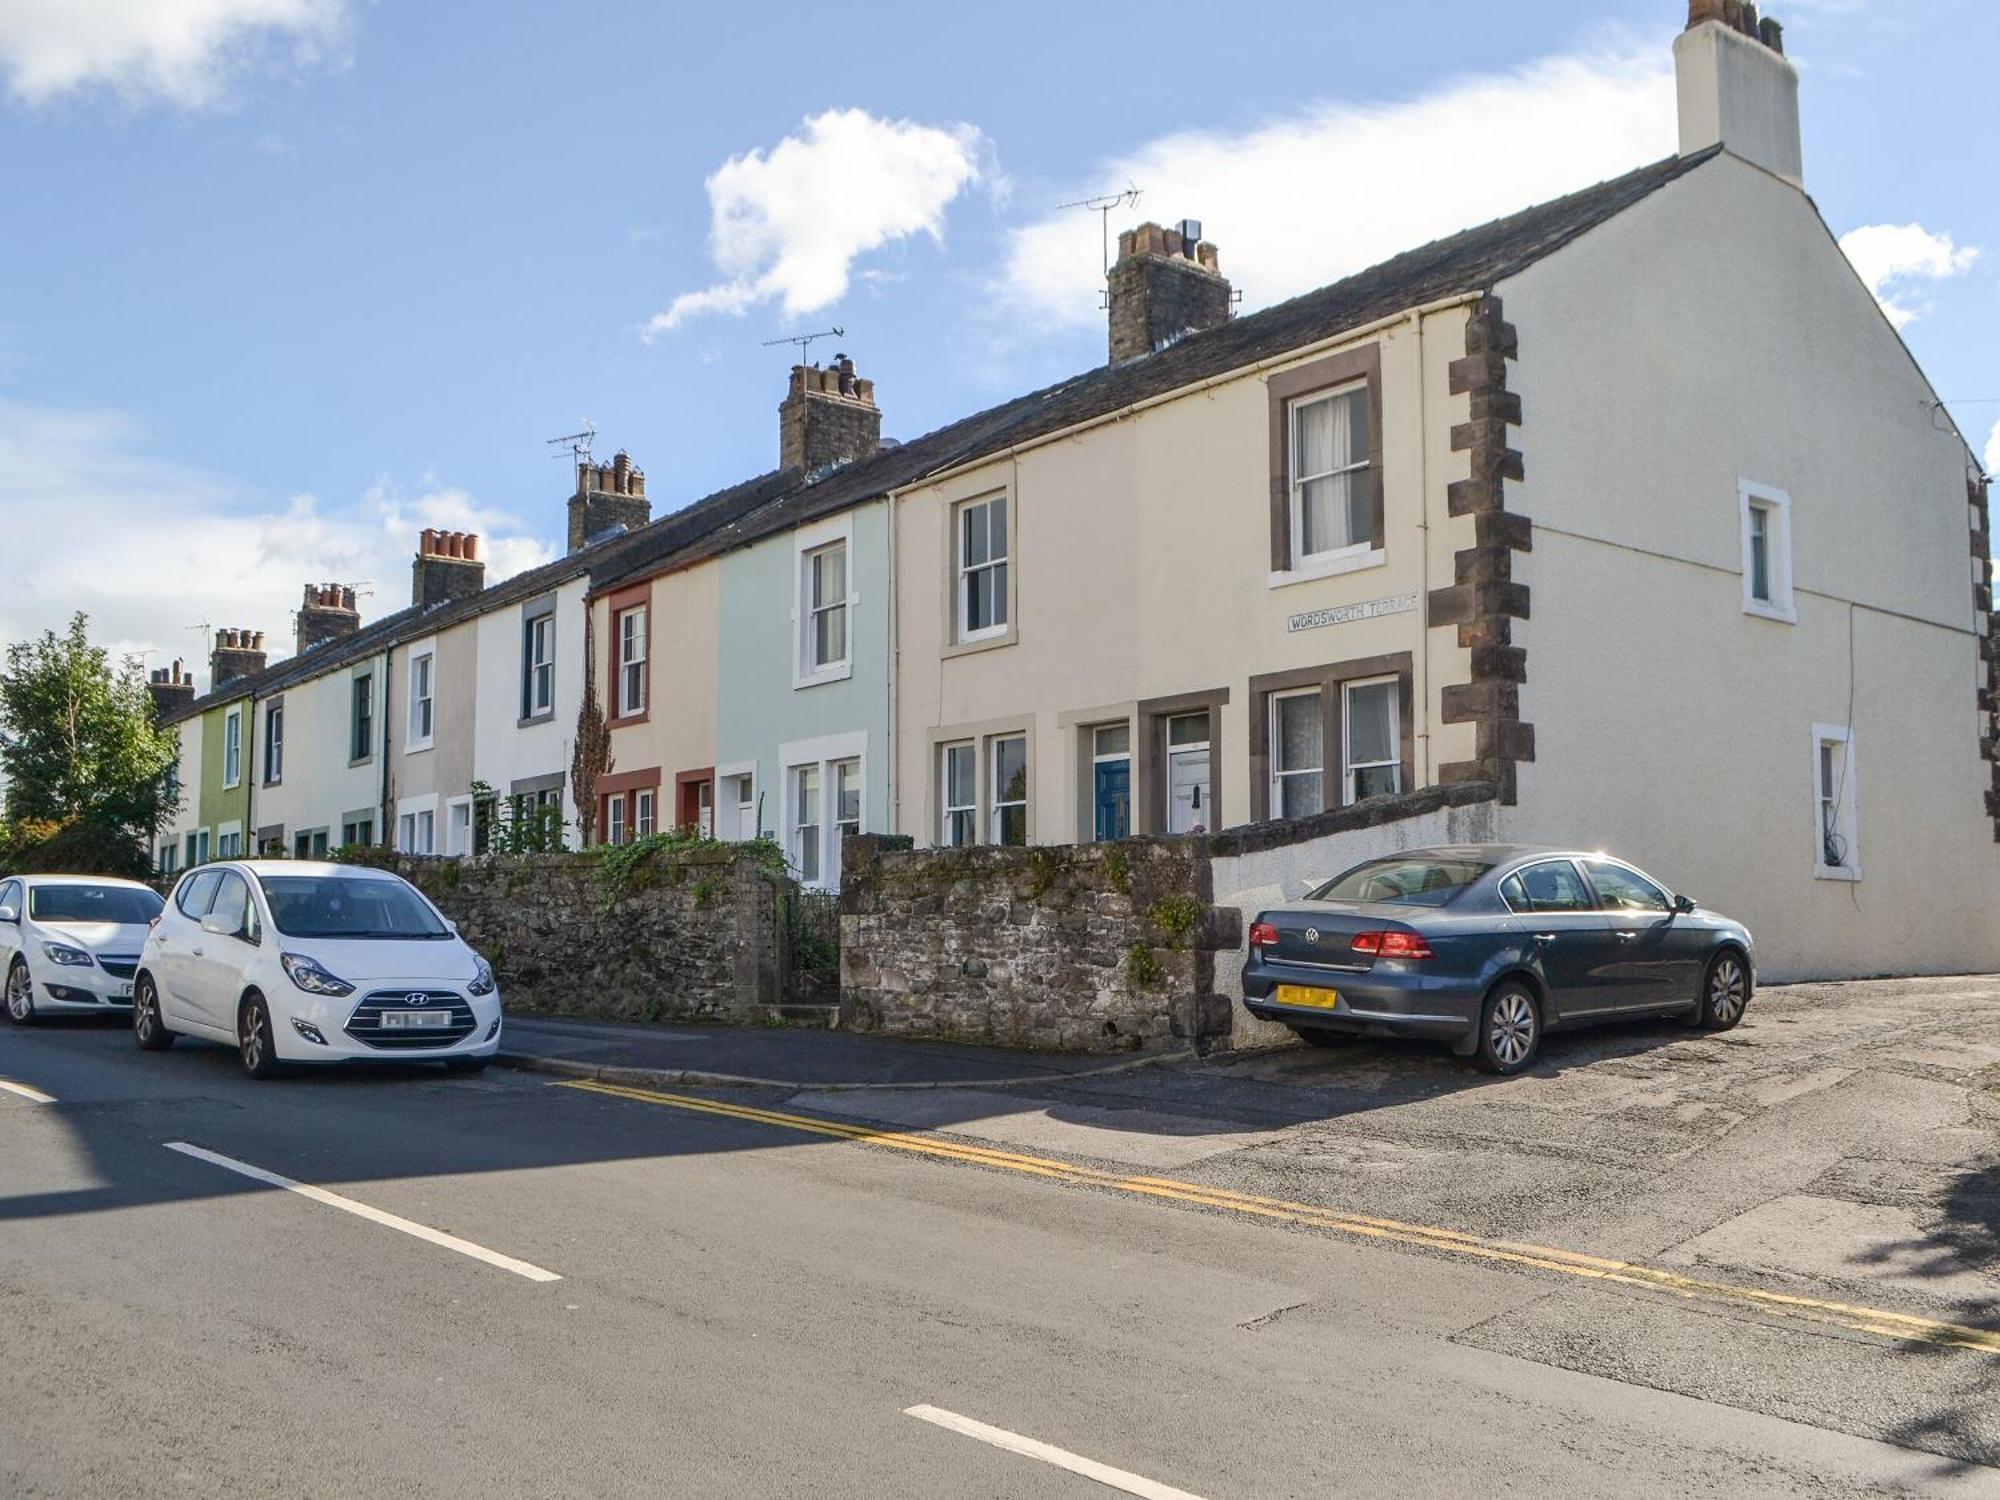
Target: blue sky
point(283, 281)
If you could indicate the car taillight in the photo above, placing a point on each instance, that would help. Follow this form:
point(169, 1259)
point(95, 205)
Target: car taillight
point(1263, 935)
point(1391, 944)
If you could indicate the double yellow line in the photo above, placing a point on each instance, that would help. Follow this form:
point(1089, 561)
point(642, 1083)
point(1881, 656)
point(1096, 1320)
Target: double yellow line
point(1873, 1320)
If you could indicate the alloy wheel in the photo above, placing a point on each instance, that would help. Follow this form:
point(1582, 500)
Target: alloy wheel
point(1511, 1032)
point(20, 1001)
point(1726, 991)
point(142, 1015)
point(253, 1036)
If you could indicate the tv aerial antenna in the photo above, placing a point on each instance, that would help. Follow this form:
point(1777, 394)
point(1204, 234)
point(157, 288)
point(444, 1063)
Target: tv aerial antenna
point(578, 443)
point(1102, 205)
point(805, 340)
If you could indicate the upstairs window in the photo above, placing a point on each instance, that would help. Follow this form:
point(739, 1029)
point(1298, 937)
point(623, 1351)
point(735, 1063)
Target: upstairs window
point(1765, 515)
point(232, 747)
point(982, 566)
point(632, 645)
point(538, 666)
point(824, 582)
point(274, 744)
point(422, 700)
point(361, 718)
point(1333, 507)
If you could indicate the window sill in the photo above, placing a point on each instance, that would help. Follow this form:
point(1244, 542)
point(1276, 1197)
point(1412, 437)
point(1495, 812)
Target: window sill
point(839, 672)
point(1783, 614)
point(1008, 637)
point(1849, 873)
point(418, 749)
point(1329, 567)
point(628, 720)
point(530, 720)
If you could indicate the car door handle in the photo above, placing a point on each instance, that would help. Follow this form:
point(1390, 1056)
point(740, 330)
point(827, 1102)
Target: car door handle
point(1625, 937)
point(1545, 937)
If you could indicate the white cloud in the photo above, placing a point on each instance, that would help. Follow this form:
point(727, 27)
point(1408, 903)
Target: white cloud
point(147, 548)
point(787, 225)
point(1309, 197)
point(186, 52)
point(1895, 260)
point(1991, 463)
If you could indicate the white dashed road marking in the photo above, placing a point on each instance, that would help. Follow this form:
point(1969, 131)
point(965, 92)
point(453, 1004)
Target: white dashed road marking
point(1027, 1447)
point(33, 1096)
point(363, 1211)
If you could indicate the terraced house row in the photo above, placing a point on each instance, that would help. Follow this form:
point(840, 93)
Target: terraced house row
point(1626, 520)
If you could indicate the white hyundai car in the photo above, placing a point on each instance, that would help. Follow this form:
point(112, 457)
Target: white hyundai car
point(295, 962)
point(71, 942)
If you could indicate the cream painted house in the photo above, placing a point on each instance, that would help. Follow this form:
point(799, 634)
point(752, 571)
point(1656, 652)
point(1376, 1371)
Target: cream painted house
point(1632, 507)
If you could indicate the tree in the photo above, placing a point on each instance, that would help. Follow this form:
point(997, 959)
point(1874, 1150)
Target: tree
point(78, 741)
point(592, 756)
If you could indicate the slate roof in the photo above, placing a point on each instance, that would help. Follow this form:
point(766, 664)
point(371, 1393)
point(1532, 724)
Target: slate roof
point(1473, 260)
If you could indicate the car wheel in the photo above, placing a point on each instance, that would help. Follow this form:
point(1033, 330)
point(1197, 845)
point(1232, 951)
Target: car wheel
point(466, 1064)
point(1319, 1036)
point(20, 995)
point(1510, 1030)
point(253, 1038)
point(1725, 991)
point(148, 1029)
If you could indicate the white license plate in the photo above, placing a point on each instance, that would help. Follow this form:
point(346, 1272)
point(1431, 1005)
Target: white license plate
point(414, 1020)
point(121, 992)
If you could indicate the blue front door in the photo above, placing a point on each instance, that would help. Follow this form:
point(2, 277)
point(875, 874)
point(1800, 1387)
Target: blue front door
point(1114, 799)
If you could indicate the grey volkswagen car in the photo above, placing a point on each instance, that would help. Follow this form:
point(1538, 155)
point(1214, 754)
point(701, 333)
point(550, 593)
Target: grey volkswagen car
point(1487, 946)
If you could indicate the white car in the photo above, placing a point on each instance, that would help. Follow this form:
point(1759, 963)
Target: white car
point(71, 942)
point(295, 962)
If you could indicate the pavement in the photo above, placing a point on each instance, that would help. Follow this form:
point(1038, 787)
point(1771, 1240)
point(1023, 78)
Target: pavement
point(1661, 1262)
point(781, 1056)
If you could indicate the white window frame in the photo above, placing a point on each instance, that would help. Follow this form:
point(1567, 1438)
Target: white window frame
point(632, 693)
point(1088, 833)
point(824, 755)
point(995, 808)
point(274, 742)
point(423, 705)
point(843, 826)
point(538, 665)
point(1348, 765)
point(617, 823)
point(963, 633)
point(453, 807)
point(799, 833)
point(228, 841)
point(1280, 774)
point(1777, 508)
point(232, 747)
point(808, 543)
point(946, 807)
point(645, 812)
point(1169, 750)
point(1847, 804)
point(416, 825)
point(1333, 557)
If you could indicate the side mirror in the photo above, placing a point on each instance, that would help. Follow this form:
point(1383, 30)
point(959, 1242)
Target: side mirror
point(1683, 905)
point(219, 925)
point(9, 914)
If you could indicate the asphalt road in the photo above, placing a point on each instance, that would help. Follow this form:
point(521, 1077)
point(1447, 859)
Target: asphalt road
point(745, 1306)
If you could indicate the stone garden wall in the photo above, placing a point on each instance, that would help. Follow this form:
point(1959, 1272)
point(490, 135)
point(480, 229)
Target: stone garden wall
point(687, 936)
point(1087, 948)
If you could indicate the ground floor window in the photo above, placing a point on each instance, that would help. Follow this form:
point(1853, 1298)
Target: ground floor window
point(1835, 824)
point(805, 823)
point(643, 813)
point(229, 845)
point(357, 831)
point(846, 798)
point(309, 843)
point(615, 824)
point(1298, 753)
point(958, 801)
point(1009, 758)
point(1372, 714)
point(416, 832)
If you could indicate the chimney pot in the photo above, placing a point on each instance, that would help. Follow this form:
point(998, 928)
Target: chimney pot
point(1772, 35)
point(1163, 285)
point(828, 418)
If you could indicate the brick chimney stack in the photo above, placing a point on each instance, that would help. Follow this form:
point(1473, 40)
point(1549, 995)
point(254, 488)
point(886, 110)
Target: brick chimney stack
point(447, 567)
point(328, 614)
point(608, 496)
point(238, 653)
point(172, 689)
point(828, 418)
point(1736, 87)
point(1165, 283)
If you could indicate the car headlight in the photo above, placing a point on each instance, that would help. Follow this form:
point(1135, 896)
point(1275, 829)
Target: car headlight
point(483, 981)
point(309, 976)
point(63, 953)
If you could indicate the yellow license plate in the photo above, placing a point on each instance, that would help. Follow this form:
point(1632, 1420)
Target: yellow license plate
point(1299, 994)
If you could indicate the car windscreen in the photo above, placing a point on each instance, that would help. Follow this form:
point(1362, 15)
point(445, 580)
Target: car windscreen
point(336, 906)
point(1407, 879)
point(122, 904)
